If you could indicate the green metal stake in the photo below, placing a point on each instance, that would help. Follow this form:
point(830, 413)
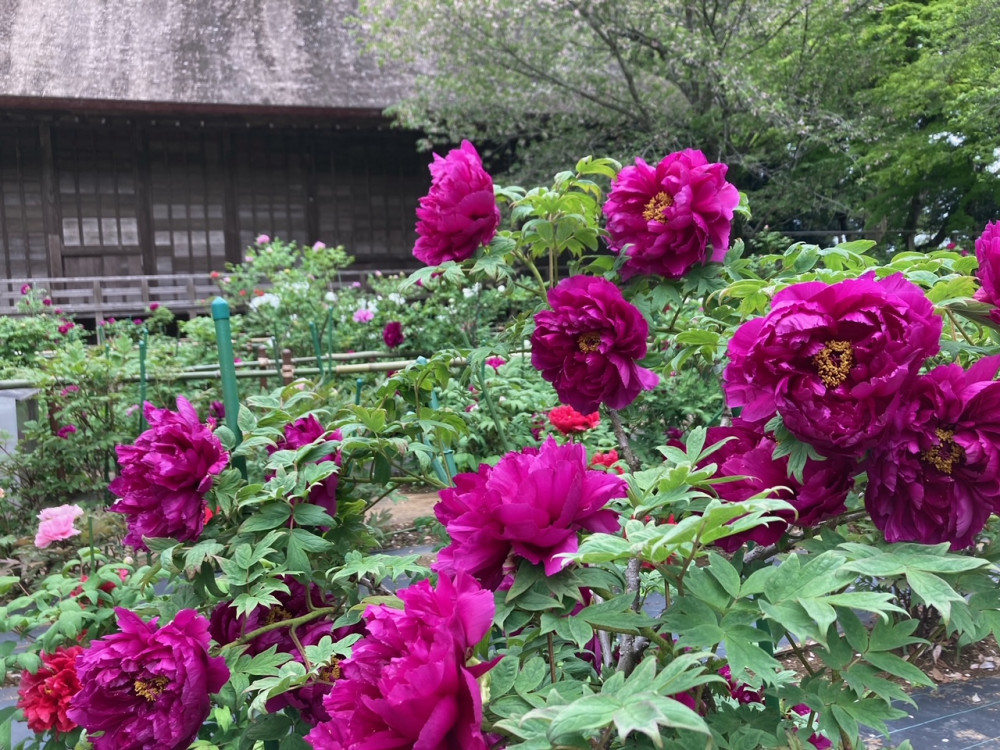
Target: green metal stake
point(329, 337)
point(319, 351)
point(227, 369)
point(357, 391)
point(143, 341)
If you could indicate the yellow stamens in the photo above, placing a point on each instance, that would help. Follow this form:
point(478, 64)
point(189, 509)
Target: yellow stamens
point(589, 342)
point(150, 689)
point(946, 454)
point(834, 362)
point(656, 208)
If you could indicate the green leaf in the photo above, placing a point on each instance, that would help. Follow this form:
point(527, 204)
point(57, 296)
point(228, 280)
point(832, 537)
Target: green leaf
point(269, 517)
point(307, 514)
point(934, 591)
point(502, 676)
point(532, 674)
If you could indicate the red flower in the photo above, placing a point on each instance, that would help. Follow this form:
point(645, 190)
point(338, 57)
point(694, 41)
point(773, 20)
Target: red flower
point(608, 460)
point(45, 696)
point(568, 420)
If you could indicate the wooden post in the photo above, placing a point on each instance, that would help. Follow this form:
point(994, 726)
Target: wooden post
point(231, 204)
point(287, 367)
point(51, 219)
point(262, 364)
point(143, 200)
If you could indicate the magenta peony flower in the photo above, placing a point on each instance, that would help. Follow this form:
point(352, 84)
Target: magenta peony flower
point(57, 524)
point(832, 359)
point(154, 306)
point(532, 505)
point(587, 345)
point(65, 431)
point(301, 433)
point(459, 213)
point(749, 454)
point(407, 684)
point(496, 363)
point(392, 334)
point(664, 217)
point(25, 288)
point(936, 476)
point(165, 476)
point(45, 696)
point(145, 686)
point(988, 255)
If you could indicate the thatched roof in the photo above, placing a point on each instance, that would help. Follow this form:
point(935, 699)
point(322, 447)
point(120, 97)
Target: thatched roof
point(284, 53)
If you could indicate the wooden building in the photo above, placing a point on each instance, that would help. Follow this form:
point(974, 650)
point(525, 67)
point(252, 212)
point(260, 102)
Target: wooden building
point(153, 140)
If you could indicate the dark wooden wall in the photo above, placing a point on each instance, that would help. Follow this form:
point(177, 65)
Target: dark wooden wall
point(112, 197)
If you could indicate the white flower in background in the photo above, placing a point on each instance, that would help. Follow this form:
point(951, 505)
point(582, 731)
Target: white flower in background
point(398, 298)
point(300, 286)
point(501, 289)
point(265, 299)
point(330, 297)
point(471, 291)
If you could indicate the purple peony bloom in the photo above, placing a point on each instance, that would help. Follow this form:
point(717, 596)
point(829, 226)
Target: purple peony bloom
point(832, 359)
point(988, 255)
point(407, 684)
point(532, 505)
point(749, 454)
point(392, 334)
point(145, 686)
point(936, 477)
point(588, 344)
point(301, 433)
point(664, 217)
point(459, 213)
point(65, 431)
point(165, 476)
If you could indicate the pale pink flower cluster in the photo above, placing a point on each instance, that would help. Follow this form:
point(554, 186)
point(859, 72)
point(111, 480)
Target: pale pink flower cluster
point(57, 524)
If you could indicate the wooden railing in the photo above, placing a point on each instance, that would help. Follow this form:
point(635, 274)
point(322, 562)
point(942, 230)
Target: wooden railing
point(102, 297)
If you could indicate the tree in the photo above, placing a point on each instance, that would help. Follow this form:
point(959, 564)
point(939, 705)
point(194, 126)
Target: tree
point(817, 127)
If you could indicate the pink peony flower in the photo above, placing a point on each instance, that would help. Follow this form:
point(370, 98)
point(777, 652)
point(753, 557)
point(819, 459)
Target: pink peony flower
point(319, 246)
point(569, 421)
point(664, 217)
point(262, 239)
point(47, 302)
point(165, 476)
point(68, 390)
point(45, 696)
point(25, 288)
point(532, 505)
point(988, 255)
point(833, 359)
point(936, 477)
point(154, 306)
point(459, 213)
point(57, 524)
point(66, 430)
point(496, 363)
point(749, 454)
point(588, 344)
point(363, 315)
point(301, 433)
point(407, 684)
point(66, 328)
point(145, 686)
point(392, 334)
